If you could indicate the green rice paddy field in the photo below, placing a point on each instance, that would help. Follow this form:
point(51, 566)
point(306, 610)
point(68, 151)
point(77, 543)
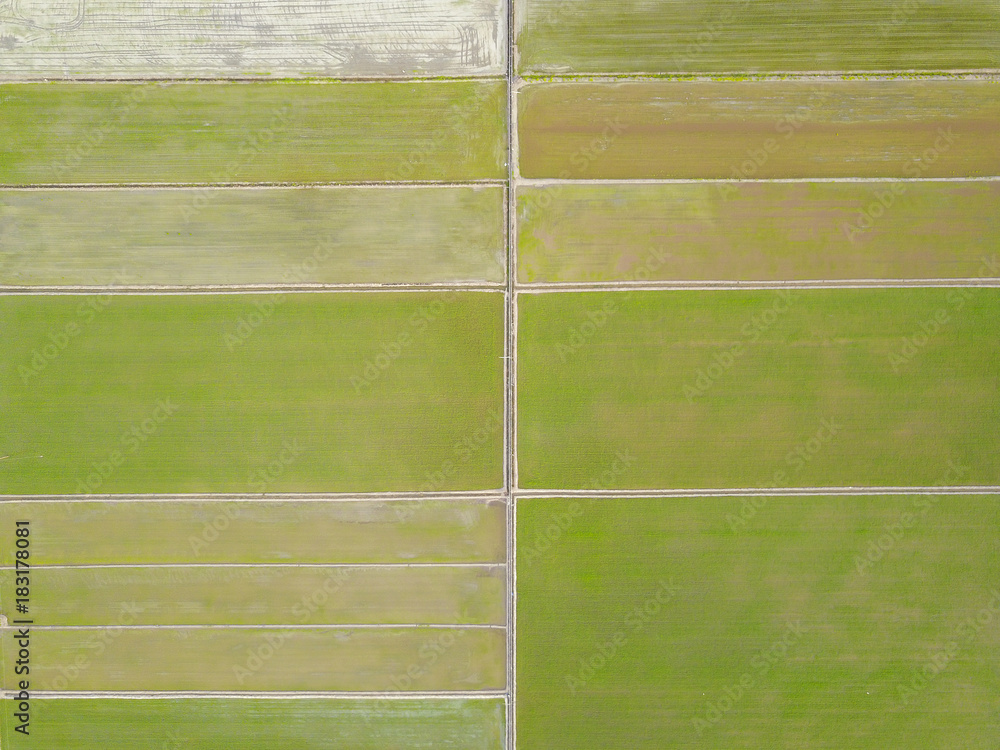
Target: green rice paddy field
point(267, 724)
point(252, 393)
point(768, 129)
point(775, 388)
point(801, 622)
point(282, 659)
point(592, 36)
point(172, 532)
point(252, 236)
point(269, 132)
point(220, 595)
point(758, 231)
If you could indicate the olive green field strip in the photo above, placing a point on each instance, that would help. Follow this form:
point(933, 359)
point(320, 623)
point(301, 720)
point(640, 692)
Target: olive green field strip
point(764, 231)
point(760, 129)
point(262, 723)
point(188, 394)
point(286, 659)
point(738, 389)
point(251, 532)
point(231, 133)
point(819, 622)
point(130, 39)
point(721, 36)
point(269, 236)
point(226, 596)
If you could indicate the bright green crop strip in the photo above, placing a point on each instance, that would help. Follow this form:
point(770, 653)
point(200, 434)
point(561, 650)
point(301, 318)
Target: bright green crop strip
point(252, 393)
point(266, 132)
point(774, 388)
point(731, 36)
point(263, 724)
